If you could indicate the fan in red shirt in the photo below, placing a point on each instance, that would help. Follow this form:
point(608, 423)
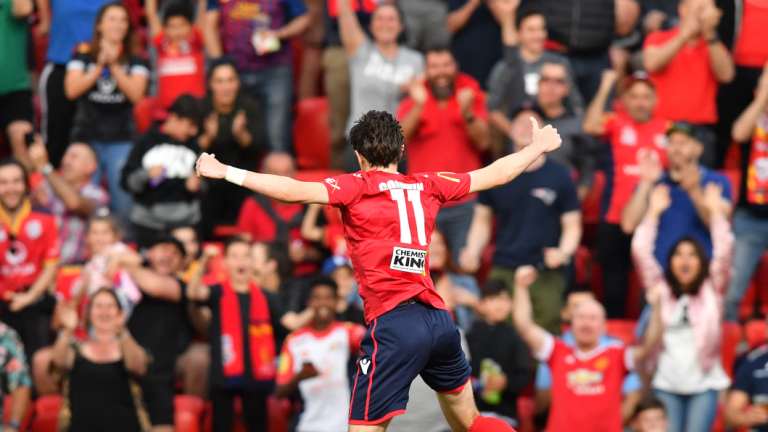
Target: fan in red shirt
point(444, 121)
point(686, 64)
point(633, 132)
point(388, 219)
point(29, 253)
point(586, 378)
point(180, 58)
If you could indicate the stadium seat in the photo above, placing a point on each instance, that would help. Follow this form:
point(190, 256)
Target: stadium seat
point(526, 408)
point(279, 411)
point(732, 337)
point(755, 333)
point(623, 330)
point(311, 134)
point(144, 113)
point(590, 208)
point(188, 413)
point(46, 417)
point(7, 408)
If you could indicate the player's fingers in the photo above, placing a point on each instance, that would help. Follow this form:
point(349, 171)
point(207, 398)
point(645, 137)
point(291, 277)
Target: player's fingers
point(534, 123)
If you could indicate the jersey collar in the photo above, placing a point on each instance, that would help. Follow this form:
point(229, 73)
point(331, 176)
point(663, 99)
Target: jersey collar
point(14, 224)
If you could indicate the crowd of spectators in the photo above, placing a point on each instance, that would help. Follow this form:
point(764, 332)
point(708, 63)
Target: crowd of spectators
point(126, 280)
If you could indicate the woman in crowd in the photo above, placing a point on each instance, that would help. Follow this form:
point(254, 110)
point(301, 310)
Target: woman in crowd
point(107, 80)
point(233, 130)
point(100, 391)
point(689, 374)
point(380, 69)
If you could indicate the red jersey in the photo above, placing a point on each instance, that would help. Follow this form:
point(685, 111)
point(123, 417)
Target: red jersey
point(586, 387)
point(686, 87)
point(751, 49)
point(626, 138)
point(388, 220)
point(180, 69)
point(268, 220)
point(27, 244)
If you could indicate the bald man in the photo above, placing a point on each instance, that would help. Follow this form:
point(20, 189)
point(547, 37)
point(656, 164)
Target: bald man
point(586, 377)
point(69, 194)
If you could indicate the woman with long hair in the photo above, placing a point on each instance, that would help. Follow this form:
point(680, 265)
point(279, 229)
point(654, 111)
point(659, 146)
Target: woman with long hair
point(100, 391)
point(689, 373)
point(107, 80)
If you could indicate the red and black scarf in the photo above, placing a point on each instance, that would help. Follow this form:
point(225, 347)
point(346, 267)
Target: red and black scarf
point(260, 335)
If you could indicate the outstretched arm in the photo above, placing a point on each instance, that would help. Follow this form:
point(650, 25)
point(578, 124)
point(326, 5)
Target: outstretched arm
point(522, 311)
point(504, 170)
point(276, 187)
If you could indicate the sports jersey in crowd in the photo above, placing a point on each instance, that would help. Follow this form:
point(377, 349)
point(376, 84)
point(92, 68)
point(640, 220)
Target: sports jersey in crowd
point(390, 260)
point(326, 396)
point(180, 69)
point(266, 220)
point(586, 387)
point(626, 138)
point(752, 379)
point(750, 49)
point(27, 243)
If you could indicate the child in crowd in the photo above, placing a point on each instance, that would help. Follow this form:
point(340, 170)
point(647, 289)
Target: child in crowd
point(650, 416)
point(180, 56)
point(499, 358)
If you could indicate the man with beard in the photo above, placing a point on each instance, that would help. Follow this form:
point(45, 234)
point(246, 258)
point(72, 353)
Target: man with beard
point(29, 254)
point(444, 121)
point(314, 361)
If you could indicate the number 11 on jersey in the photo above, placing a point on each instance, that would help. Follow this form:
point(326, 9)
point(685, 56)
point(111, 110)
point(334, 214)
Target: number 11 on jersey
point(414, 197)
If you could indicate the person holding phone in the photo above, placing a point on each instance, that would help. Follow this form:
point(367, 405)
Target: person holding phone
point(539, 224)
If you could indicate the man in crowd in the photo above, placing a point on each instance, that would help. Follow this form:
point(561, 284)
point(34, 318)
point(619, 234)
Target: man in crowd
point(16, 112)
point(445, 124)
point(750, 222)
point(746, 401)
point(69, 194)
point(159, 322)
point(539, 223)
point(686, 64)
point(29, 254)
point(631, 134)
point(587, 378)
point(314, 362)
point(650, 416)
point(257, 36)
point(515, 78)
point(687, 215)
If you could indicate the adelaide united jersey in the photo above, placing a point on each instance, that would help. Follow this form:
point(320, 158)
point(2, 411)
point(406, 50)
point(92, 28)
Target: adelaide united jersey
point(586, 387)
point(388, 220)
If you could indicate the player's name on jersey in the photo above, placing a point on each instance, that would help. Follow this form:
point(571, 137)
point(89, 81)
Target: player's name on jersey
point(408, 260)
point(394, 184)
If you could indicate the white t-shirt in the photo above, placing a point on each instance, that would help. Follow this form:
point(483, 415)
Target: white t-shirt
point(326, 396)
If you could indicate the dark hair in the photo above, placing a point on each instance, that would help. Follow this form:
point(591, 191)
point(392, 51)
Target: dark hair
point(402, 37)
point(235, 240)
point(103, 290)
point(178, 9)
point(526, 12)
point(325, 282)
point(648, 403)
point(223, 61)
point(187, 107)
point(194, 230)
point(11, 161)
point(493, 288)
point(674, 284)
point(96, 41)
point(279, 252)
point(378, 137)
point(438, 48)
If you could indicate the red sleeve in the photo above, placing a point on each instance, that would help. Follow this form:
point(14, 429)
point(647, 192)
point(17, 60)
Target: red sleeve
point(478, 107)
point(285, 368)
point(656, 38)
point(609, 124)
point(449, 186)
point(559, 350)
point(343, 189)
point(197, 39)
point(356, 333)
point(52, 241)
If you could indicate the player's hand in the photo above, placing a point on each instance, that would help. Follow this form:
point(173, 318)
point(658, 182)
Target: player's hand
point(20, 301)
point(660, 200)
point(465, 97)
point(554, 258)
point(307, 371)
point(525, 276)
point(208, 166)
point(546, 138)
point(650, 166)
point(755, 415)
point(469, 261)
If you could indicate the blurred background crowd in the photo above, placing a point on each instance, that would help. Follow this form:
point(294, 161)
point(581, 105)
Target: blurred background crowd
point(136, 296)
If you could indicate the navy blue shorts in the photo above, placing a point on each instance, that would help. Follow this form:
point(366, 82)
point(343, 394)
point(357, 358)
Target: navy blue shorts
point(410, 340)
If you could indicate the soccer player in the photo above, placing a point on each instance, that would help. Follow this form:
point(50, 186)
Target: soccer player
point(388, 218)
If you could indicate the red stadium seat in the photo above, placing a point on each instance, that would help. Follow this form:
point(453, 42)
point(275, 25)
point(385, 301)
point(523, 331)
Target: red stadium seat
point(144, 114)
point(47, 413)
point(279, 411)
point(623, 330)
point(188, 413)
point(526, 408)
point(732, 336)
point(311, 134)
point(7, 408)
point(756, 333)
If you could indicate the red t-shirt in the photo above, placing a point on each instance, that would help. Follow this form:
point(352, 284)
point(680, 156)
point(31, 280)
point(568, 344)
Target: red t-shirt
point(751, 49)
point(26, 246)
point(181, 69)
point(586, 387)
point(686, 87)
point(388, 220)
point(626, 138)
point(257, 223)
